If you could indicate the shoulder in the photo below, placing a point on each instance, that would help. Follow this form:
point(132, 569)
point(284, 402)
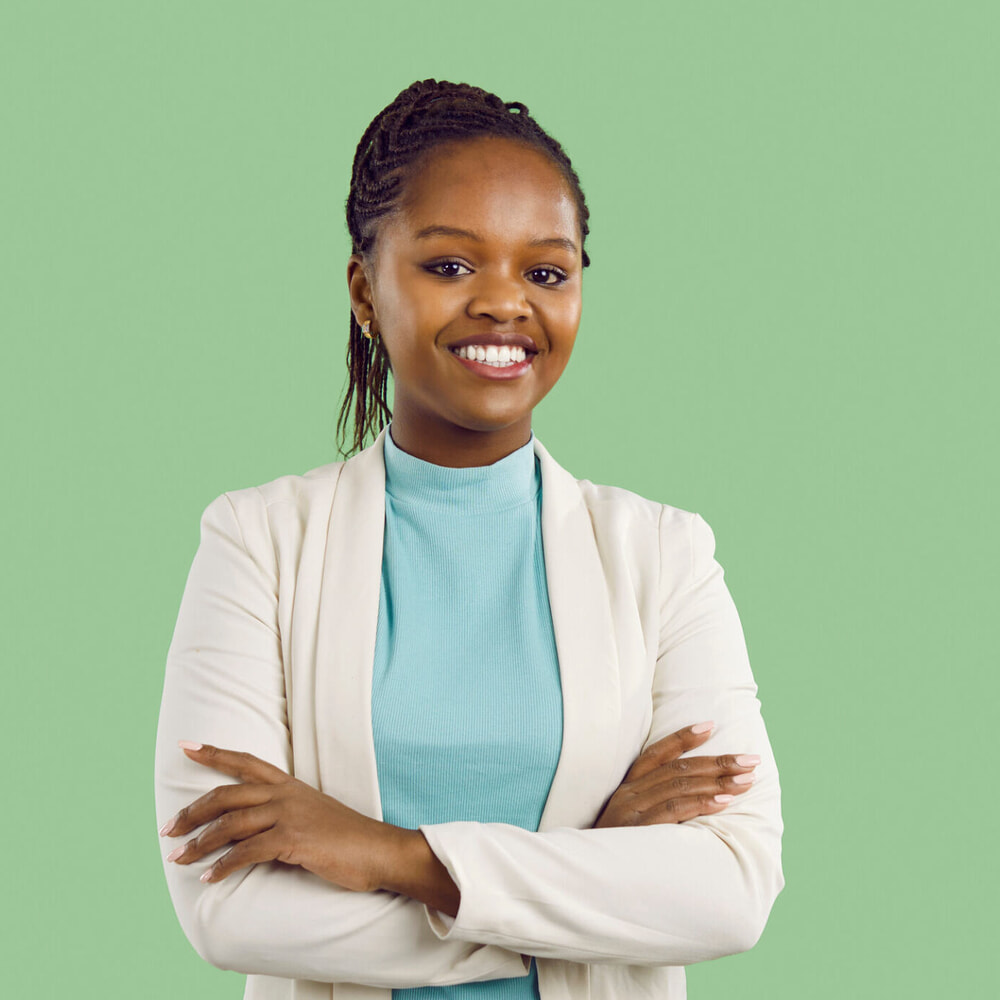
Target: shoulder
point(644, 533)
point(292, 489)
point(276, 515)
point(616, 507)
point(619, 502)
point(678, 539)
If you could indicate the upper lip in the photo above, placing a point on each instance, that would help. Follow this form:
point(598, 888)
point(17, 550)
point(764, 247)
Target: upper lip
point(498, 339)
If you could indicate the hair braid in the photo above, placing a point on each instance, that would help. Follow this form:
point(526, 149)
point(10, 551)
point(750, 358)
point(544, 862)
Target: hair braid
point(424, 115)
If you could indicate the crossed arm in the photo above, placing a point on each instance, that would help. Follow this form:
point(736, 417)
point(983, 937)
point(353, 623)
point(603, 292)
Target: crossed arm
point(270, 816)
point(283, 854)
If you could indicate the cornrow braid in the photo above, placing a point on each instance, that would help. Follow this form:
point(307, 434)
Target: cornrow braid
point(427, 114)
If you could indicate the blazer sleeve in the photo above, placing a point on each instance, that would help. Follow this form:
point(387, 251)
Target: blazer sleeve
point(653, 895)
point(224, 685)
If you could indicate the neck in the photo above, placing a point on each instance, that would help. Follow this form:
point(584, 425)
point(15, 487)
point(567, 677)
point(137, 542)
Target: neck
point(457, 447)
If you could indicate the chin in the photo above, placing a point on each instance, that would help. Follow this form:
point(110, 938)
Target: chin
point(488, 422)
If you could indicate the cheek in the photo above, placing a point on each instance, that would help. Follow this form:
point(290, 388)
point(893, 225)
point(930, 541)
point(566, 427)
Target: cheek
point(563, 319)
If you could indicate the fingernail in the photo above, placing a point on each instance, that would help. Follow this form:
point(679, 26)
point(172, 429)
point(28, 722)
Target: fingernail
point(702, 727)
point(748, 760)
point(744, 779)
point(205, 875)
point(176, 853)
point(724, 798)
point(188, 745)
point(168, 826)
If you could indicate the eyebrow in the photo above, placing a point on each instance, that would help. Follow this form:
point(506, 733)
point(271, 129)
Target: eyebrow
point(465, 234)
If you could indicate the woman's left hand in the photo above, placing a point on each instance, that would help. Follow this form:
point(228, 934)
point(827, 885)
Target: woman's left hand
point(272, 816)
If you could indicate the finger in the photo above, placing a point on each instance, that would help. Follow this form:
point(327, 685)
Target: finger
point(223, 799)
point(669, 748)
point(724, 764)
point(683, 786)
point(235, 763)
point(266, 846)
point(688, 807)
point(228, 828)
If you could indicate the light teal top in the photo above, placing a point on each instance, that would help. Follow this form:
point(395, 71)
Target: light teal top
point(466, 698)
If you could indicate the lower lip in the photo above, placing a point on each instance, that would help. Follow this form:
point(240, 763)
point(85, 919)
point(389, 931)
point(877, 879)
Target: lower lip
point(488, 371)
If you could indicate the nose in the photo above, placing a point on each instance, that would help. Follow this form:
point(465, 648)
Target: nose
point(498, 297)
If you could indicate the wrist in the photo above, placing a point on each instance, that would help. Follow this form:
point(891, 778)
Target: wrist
point(413, 869)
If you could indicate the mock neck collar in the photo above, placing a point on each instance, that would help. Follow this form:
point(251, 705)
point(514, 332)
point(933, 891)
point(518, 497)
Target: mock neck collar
point(511, 481)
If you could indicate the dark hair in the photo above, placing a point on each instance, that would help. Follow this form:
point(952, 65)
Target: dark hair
point(427, 114)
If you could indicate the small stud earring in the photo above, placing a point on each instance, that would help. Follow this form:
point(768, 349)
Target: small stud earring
point(366, 329)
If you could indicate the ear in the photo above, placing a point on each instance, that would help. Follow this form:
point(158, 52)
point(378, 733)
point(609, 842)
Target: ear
point(360, 287)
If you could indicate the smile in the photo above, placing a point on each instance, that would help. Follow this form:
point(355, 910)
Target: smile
point(494, 362)
point(491, 355)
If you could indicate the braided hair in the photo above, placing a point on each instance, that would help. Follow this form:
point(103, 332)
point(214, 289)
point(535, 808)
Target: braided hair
point(427, 114)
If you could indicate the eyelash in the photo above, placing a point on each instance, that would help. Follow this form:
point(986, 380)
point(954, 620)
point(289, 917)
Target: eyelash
point(558, 272)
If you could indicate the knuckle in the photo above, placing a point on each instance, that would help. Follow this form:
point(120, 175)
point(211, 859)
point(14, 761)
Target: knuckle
point(681, 783)
point(224, 823)
point(726, 761)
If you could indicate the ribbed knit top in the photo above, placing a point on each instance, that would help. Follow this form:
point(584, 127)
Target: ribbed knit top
point(466, 698)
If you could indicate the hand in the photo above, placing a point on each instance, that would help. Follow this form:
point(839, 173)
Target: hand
point(272, 816)
point(663, 787)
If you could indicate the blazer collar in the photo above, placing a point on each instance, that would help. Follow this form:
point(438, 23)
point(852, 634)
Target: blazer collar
point(581, 618)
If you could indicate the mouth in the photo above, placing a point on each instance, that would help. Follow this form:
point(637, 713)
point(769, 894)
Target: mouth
point(494, 355)
point(493, 362)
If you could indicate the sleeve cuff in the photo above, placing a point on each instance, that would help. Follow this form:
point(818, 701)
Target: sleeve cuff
point(440, 922)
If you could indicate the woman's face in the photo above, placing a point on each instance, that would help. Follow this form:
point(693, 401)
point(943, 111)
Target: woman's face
point(484, 250)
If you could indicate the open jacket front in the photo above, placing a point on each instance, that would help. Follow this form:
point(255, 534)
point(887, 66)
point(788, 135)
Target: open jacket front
point(273, 654)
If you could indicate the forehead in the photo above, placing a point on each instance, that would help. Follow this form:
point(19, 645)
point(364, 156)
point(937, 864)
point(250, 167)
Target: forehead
point(491, 185)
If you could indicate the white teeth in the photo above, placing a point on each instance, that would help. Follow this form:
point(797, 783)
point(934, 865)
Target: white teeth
point(495, 357)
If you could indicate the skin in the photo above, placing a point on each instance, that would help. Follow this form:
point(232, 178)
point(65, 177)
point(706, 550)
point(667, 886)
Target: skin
point(420, 294)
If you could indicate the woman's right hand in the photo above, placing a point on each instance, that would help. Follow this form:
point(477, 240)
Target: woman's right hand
point(663, 787)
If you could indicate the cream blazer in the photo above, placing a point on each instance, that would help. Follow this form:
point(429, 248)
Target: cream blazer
point(273, 652)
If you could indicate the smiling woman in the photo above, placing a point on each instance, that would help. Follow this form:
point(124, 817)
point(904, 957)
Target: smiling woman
point(454, 691)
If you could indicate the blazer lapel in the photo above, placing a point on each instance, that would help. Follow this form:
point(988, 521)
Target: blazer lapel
point(345, 640)
point(588, 657)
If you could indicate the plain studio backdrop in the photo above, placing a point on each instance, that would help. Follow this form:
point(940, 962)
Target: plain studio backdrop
point(790, 326)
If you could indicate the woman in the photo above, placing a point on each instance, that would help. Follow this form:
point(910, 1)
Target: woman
point(450, 685)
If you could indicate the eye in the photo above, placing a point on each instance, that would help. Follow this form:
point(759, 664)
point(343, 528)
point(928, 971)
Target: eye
point(448, 268)
point(549, 276)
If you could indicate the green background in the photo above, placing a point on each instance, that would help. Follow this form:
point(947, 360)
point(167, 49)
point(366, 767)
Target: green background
point(790, 326)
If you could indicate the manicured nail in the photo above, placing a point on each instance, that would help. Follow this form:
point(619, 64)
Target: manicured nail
point(188, 745)
point(168, 826)
point(702, 727)
point(205, 875)
point(744, 779)
point(748, 760)
point(176, 853)
point(724, 798)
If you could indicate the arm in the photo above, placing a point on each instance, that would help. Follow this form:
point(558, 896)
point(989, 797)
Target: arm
point(645, 895)
point(224, 685)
